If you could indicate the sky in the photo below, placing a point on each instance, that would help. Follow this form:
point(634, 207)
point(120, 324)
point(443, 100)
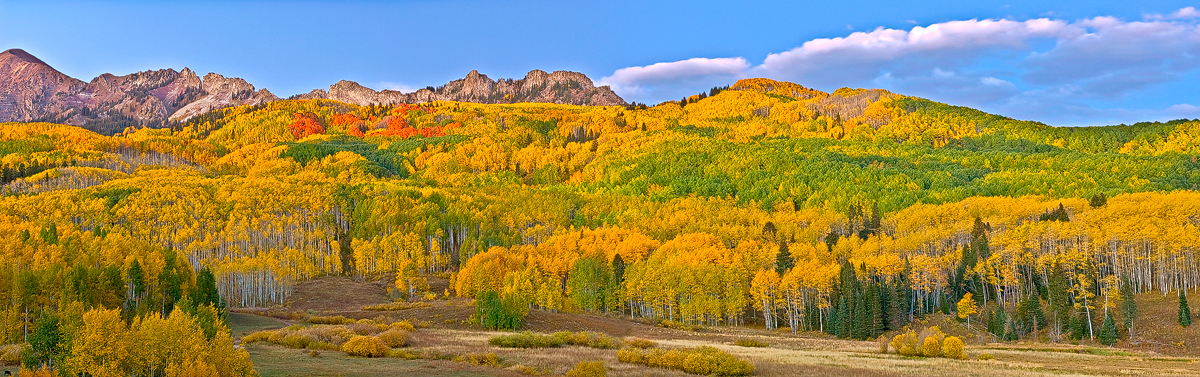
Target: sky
point(1066, 63)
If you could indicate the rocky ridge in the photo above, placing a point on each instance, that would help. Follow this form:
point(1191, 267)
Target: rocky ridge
point(561, 87)
point(31, 90)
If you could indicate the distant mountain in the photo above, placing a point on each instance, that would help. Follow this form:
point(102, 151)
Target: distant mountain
point(561, 87)
point(31, 90)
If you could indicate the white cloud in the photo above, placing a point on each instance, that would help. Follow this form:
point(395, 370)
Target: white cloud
point(1181, 14)
point(675, 79)
point(1185, 109)
point(1044, 69)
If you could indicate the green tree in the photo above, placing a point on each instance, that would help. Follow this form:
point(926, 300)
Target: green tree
point(45, 343)
point(1129, 308)
point(783, 260)
point(49, 234)
point(590, 285)
point(1185, 312)
point(496, 312)
point(1108, 331)
point(205, 292)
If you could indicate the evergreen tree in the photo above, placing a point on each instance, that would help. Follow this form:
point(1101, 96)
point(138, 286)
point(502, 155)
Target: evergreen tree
point(1185, 312)
point(618, 269)
point(862, 317)
point(1060, 306)
point(783, 260)
point(841, 321)
point(205, 293)
point(1079, 327)
point(874, 312)
point(996, 321)
point(1129, 308)
point(1108, 331)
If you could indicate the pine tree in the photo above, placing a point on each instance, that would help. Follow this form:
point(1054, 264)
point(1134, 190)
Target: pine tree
point(1059, 296)
point(1185, 312)
point(1129, 308)
point(618, 269)
point(862, 317)
point(1078, 326)
point(783, 260)
point(1108, 331)
point(874, 312)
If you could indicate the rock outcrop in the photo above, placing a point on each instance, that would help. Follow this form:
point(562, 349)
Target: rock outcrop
point(560, 87)
point(221, 92)
point(31, 90)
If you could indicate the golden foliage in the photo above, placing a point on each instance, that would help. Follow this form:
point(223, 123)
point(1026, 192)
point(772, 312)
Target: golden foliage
point(702, 360)
point(953, 348)
point(588, 369)
point(366, 346)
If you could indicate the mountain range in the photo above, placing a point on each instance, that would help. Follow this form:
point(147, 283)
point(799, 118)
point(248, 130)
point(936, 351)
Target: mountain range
point(32, 90)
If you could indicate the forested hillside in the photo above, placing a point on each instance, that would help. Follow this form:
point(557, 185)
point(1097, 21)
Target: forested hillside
point(766, 202)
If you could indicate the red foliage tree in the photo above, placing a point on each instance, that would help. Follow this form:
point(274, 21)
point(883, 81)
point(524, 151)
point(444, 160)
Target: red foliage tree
point(304, 125)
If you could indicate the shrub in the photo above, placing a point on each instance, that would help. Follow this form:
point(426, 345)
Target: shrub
point(394, 306)
point(985, 356)
point(394, 338)
point(931, 347)
point(11, 354)
point(258, 336)
point(495, 312)
point(679, 325)
point(931, 341)
point(295, 340)
point(403, 325)
point(953, 348)
point(365, 346)
point(488, 359)
point(333, 320)
point(883, 343)
point(747, 342)
point(36, 372)
point(588, 369)
point(702, 360)
point(526, 340)
point(640, 343)
point(588, 339)
point(906, 344)
point(364, 327)
point(403, 354)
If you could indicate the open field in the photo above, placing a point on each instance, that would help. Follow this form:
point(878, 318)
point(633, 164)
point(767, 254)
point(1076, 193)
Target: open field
point(447, 333)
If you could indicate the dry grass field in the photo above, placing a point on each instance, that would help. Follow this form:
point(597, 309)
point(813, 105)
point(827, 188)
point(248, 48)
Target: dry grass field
point(446, 334)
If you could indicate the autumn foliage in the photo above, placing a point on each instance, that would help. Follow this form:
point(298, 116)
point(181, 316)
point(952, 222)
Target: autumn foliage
point(305, 125)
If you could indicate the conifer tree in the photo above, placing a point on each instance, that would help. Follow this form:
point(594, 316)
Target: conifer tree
point(1129, 308)
point(783, 260)
point(1108, 331)
point(1185, 312)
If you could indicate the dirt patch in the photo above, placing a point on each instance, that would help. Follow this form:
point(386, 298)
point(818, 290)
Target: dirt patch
point(337, 294)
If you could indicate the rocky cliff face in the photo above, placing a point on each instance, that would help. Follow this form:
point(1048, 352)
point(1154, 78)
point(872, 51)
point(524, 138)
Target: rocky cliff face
point(221, 92)
point(560, 87)
point(31, 90)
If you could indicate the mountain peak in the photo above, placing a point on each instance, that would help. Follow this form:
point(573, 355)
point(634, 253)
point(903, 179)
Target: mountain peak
point(21, 54)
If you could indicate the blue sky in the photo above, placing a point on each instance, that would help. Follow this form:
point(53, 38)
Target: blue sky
point(1063, 63)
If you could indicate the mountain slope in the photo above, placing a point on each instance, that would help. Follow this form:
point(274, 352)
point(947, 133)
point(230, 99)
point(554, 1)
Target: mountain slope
point(31, 90)
point(561, 87)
